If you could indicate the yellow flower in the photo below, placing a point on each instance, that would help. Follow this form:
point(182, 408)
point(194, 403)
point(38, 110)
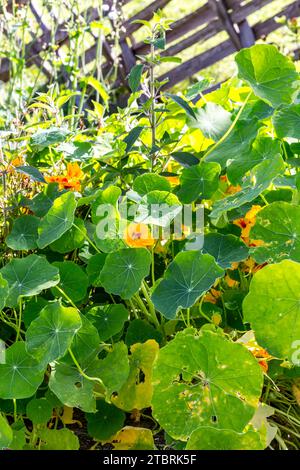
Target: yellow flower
point(138, 235)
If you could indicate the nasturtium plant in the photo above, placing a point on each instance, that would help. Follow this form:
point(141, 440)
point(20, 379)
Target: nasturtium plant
point(277, 226)
point(124, 271)
point(226, 249)
point(203, 379)
point(27, 277)
point(185, 280)
point(199, 182)
point(21, 374)
point(276, 84)
point(24, 233)
point(58, 220)
point(50, 335)
point(272, 308)
point(209, 438)
point(150, 259)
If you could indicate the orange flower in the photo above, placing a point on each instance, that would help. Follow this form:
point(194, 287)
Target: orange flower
point(138, 235)
point(70, 180)
point(230, 282)
point(233, 189)
point(212, 296)
point(246, 223)
point(262, 355)
point(173, 179)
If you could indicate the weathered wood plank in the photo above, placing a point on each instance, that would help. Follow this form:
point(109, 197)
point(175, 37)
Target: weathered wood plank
point(221, 11)
point(145, 15)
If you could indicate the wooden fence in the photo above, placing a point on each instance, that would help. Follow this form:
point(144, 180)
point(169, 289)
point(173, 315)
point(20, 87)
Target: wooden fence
point(202, 24)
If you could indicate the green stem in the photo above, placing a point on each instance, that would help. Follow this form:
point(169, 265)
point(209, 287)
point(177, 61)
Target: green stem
point(81, 371)
point(150, 304)
point(20, 319)
point(230, 128)
point(152, 266)
point(15, 410)
point(67, 297)
point(133, 309)
point(141, 305)
point(85, 235)
point(188, 317)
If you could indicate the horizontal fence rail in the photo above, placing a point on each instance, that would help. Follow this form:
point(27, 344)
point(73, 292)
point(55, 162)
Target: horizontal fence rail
point(210, 19)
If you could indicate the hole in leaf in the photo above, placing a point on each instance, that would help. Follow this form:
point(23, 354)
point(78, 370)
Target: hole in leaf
point(78, 384)
point(140, 377)
point(214, 419)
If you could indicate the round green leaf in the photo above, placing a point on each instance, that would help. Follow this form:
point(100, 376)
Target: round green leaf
point(20, 375)
point(114, 369)
point(50, 335)
point(86, 341)
point(204, 380)
point(278, 226)
point(72, 239)
point(45, 137)
point(4, 291)
point(106, 422)
point(28, 276)
point(286, 121)
point(58, 439)
point(71, 388)
point(109, 319)
point(6, 434)
point(209, 438)
point(94, 267)
point(226, 249)
point(39, 411)
point(199, 182)
point(58, 220)
point(124, 271)
point(189, 276)
point(24, 233)
point(148, 182)
point(73, 280)
point(272, 308)
point(272, 76)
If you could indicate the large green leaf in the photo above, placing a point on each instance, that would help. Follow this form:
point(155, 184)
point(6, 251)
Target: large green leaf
point(106, 422)
point(73, 280)
point(20, 375)
point(209, 438)
point(226, 249)
point(203, 379)
point(114, 369)
point(4, 291)
point(108, 319)
point(50, 335)
point(6, 434)
point(237, 142)
point(271, 75)
point(72, 239)
point(199, 182)
point(28, 276)
point(58, 439)
point(212, 120)
point(86, 341)
point(39, 410)
point(148, 182)
point(58, 219)
point(24, 233)
point(124, 271)
point(189, 276)
point(260, 179)
point(263, 148)
point(286, 121)
point(71, 388)
point(278, 226)
point(272, 308)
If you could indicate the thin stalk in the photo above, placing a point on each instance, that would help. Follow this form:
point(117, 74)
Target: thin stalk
point(15, 410)
point(150, 304)
point(81, 371)
point(152, 107)
point(67, 297)
point(87, 238)
point(133, 309)
point(20, 319)
point(142, 306)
